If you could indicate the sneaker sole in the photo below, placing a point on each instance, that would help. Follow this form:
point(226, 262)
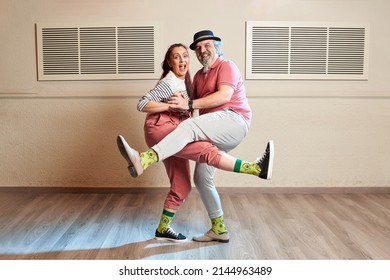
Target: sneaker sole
point(211, 240)
point(271, 159)
point(171, 240)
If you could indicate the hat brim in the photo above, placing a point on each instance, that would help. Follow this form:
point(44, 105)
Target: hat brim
point(193, 45)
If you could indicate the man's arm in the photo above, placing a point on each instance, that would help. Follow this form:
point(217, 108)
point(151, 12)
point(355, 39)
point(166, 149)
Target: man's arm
point(218, 98)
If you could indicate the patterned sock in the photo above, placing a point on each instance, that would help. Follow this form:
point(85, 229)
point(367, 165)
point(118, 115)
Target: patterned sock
point(218, 225)
point(148, 158)
point(166, 219)
point(247, 167)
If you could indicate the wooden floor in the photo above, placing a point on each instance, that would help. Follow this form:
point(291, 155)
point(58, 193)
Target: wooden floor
point(120, 225)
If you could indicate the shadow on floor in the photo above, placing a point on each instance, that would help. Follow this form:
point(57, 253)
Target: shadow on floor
point(148, 249)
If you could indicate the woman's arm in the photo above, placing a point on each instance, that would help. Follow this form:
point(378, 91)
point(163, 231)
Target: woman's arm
point(155, 107)
point(155, 100)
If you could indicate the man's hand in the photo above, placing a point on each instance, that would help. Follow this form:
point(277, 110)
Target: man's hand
point(178, 103)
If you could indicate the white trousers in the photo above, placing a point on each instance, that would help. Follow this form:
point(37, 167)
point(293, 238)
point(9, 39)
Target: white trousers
point(225, 129)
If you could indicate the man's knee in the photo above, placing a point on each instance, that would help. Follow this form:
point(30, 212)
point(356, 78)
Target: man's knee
point(203, 181)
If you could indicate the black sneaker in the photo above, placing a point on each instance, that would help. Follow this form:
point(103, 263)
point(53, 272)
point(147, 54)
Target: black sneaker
point(170, 235)
point(266, 161)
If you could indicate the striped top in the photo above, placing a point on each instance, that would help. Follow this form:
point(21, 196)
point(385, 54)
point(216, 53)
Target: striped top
point(163, 91)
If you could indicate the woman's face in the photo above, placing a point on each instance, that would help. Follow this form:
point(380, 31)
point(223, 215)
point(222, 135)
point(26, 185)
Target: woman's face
point(179, 62)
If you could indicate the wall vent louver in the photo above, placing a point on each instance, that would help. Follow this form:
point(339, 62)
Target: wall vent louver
point(280, 50)
point(97, 52)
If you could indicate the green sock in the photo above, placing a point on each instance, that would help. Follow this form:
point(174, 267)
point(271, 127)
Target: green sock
point(148, 158)
point(218, 225)
point(247, 167)
point(166, 219)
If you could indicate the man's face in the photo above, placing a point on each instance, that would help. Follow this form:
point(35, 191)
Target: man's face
point(206, 53)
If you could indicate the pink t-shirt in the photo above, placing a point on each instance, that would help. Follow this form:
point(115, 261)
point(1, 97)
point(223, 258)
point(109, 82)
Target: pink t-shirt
point(223, 72)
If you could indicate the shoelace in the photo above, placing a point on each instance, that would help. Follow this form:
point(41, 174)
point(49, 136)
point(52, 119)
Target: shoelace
point(260, 160)
point(171, 231)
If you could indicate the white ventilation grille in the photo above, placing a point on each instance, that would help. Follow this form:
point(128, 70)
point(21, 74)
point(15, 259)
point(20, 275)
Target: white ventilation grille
point(136, 50)
point(308, 50)
point(98, 52)
point(280, 50)
point(60, 51)
point(346, 51)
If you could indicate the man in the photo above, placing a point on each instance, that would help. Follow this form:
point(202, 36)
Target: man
point(224, 119)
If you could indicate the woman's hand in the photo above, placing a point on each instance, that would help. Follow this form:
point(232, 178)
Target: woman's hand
point(178, 103)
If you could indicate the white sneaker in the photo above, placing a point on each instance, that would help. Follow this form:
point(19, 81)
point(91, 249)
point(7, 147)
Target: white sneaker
point(211, 236)
point(132, 157)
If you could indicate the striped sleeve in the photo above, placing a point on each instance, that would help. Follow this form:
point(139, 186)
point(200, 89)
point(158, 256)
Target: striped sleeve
point(161, 93)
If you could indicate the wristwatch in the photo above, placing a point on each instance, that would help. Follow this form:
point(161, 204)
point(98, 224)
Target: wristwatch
point(190, 105)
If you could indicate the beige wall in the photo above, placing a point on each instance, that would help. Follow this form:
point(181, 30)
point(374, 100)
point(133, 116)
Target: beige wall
point(327, 133)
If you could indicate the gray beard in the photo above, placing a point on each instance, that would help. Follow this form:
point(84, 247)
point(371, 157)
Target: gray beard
point(206, 65)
